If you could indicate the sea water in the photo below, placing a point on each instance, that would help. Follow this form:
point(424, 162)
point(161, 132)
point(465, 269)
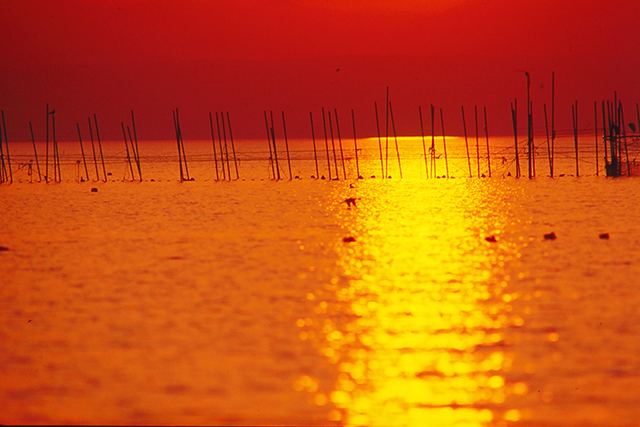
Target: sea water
point(256, 301)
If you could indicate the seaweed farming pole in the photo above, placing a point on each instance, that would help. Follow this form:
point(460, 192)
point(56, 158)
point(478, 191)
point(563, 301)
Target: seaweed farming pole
point(424, 146)
point(3, 168)
point(386, 138)
point(624, 138)
point(136, 153)
point(175, 125)
point(475, 111)
point(84, 159)
point(375, 106)
point(315, 151)
point(486, 134)
point(533, 144)
point(546, 126)
point(333, 146)
point(466, 141)
point(595, 128)
point(432, 150)
point(226, 146)
point(395, 137)
point(56, 155)
point(6, 141)
point(286, 144)
point(126, 146)
point(553, 129)
point(355, 143)
point(233, 147)
point(184, 155)
point(266, 123)
point(514, 120)
point(135, 138)
point(46, 155)
point(344, 169)
point(213, 142)
point(444, 143)
point(529, 127)
point(574, 116)
point(224, 172)
point(275, 150)
point(326, 142)
point(604, 140)
point(35, 151)
point(104, 169)
point(93, 147)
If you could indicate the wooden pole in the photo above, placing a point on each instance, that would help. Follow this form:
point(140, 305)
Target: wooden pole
point(375, 106)
point(126, 146)
point(444, 143)
point(175, 125)
point(574, 116)
point(355, 144)
point(3, 168)
point(604, 141)
point(226, 146)
point(595, 129)
point(386, 138)
point(326, 142)
point(344, 169)
point(514, 120)
point(224, 171)
point(104, 169)
point(84, 159)
point(56, 156)
point(486, 134)
point(533, 143)
point(233, 147)
point(624, 138)
point(184, 155)
point(315, 151)
point(46, 156)
point(275, 149)
point(6, 141)
point(395, 137)
point(266, 123)
point(135, 139)
point(93, 147)
point(333, 145)
point(475, 110)
point(213, 143)
point(424, 145)
point(286, 144)
point(433, 141)
point(553, 129)
point(35, 152)
point(466, 141)
point(546, 126)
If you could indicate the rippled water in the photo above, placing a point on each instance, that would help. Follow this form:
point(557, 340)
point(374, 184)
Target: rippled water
point(240, 302)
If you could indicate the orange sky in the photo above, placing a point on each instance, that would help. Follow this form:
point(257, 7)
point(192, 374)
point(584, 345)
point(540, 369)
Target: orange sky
point(245, 56)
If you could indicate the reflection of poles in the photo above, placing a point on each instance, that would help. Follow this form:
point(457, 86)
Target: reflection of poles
point(315, 151)
point(466, 141)
point(56, 153)
point(35, 152)
point(444, 143)
point(84, 159)
point(395, 137)
point(424, 146)
point(375, 106)
point(275, 149)
point(355, 144)
point(46, 152)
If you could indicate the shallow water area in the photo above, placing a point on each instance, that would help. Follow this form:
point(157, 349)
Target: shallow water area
point(210, 302)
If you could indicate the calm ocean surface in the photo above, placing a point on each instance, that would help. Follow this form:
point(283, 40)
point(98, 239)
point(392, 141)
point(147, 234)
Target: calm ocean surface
point(211, 302)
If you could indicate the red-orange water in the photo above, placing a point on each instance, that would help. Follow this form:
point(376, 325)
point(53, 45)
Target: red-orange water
point(240, 303)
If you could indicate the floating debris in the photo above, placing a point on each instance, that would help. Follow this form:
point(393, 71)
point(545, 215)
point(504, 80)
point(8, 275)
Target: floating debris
point(351, 201)
point(491, 239)
point(550, 236)
point(349, 239)
point(94, 190)
point(604, 236)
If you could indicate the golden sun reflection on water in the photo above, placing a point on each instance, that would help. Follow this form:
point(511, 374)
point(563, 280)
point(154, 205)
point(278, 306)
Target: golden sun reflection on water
point(415, 329)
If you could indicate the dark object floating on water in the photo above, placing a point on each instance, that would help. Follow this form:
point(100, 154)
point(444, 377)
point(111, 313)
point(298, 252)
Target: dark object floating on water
point(373, 176)
point(360, 177)
point(349, 239)
point(351, 201)
point(491, 239)
point(108, 173)
point(322, 177)
point(2, 248)
point(352, 186)
point(605, 236)
point(550, 236)
point(94, 190)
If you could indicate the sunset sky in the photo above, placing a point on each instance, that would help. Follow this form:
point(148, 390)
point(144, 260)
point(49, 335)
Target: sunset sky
point(245, 56)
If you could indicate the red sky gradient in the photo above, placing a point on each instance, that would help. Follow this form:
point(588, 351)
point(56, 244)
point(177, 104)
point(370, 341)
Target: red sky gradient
point(246, 56)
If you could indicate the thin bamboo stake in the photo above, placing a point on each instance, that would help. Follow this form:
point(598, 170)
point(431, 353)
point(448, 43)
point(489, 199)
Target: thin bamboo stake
point(6, 141)
point(529, 126)
point(275, 150)
point(444, 143)
point(553, 129)
point(355, 144)
point(546, 126)
point(175, 124)
point(466, 141)
point(315, 151)
point(386, 137)
point(333, 146)
point(624, 138)
point(213, 142)
point(35, 152)
point(486, 134)
point(3, 169)
point(424, 146)
point(184, 155)
point(46, 161)
point(475, 111)
point(375, 106)
point(266, 123)
point(433, 142)
point(514, 120)
point(233, 147)
point(286, 143)
point(533, 144)
point(137, 148)
point(595, 129)
point(604, 141)
point(395, 137)
point(134, 150)
point(344, 169)
point(104, 169)
point(56, 153)
point(84, 159)
point(224, 171)
point(226, 146)
point(93, 147)
point(326, 142)
point(126, 146)
point(574, 116)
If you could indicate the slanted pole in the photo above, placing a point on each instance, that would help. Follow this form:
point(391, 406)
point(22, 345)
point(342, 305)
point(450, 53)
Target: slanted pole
point(84, 159)
point(395, 137)
point(344, 169)
point(466, 141)
point(486, 134)
point(224, 171)
point(424, 146)
point(266, 123)
point(315, 151)
point(549, 155)
point(286, 144)
point(444, 143)
point(375, 106)
point(175, 125)
point(233, 147)
point(355, 143)
point(213, 142)
point(35, 152)
point(326, 142)
point(104, 168)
